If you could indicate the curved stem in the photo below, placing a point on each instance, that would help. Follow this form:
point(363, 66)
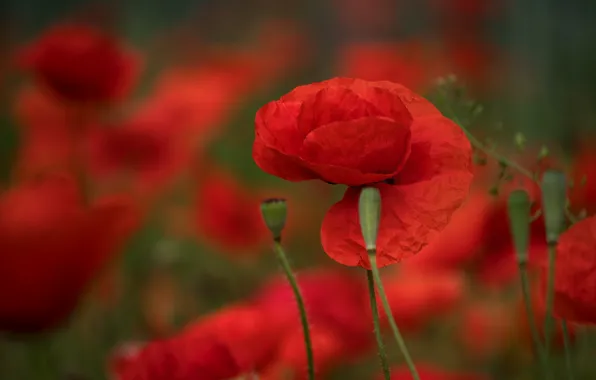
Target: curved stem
point(567, 345)
point(285, 264)
point(499, 157)
point(377, 325)
point(398, 338)
point(550, 286)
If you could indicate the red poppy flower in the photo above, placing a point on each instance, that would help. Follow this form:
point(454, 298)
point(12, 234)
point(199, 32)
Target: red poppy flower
point(227, 215)
point(431, 372)
point(343, 131)
point(81, 64)
point(355, 132)
point(575, 274)
point(184, 357)
point(52, 247)
point(145, 151)
point(245, 330)
point(328, 350)
point(334, 300)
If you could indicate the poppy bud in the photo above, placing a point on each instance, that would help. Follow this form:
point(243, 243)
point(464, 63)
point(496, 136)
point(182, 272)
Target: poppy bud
point(519, 223)
point(274, 213)
point(369, 210)
point(554, 197)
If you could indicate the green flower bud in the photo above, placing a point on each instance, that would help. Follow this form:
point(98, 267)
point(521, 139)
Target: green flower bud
point(274, 211)
point(554, 198)
point(369, 210)
point(519, 222)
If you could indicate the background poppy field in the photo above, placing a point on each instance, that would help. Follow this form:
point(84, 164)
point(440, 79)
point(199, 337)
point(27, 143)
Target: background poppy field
point(130, 200)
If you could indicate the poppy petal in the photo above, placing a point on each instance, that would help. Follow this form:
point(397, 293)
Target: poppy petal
point(272, 161)
point(303, 92)
point(438, 147)
point(379, 148)
point(275, 126)
point(575, 278)
point(411, 216)
point(334, 105)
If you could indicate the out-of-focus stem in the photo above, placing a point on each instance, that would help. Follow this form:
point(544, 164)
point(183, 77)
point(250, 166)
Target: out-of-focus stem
point(550, 287)
point(567, 346)
point(377, 325)
point(398, 337)
point(285, 264)
point(525, 283)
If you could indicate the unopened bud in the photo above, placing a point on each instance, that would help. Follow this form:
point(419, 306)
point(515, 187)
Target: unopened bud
point(520, 141)
point(554, 198)
point(274, 211)
point(518, 207)
point(369, 210)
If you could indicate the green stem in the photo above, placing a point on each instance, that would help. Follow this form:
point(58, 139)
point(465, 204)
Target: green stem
point(525, 283)
point(500, 158)
point(479, 145)
point(398, 338)
point(377, 324)
point(550, 286)
point(567, 345)
point(285, 264)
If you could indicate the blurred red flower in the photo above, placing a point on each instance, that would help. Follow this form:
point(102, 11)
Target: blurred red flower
point(227, 215)
point(343, 131)
point(334, 300)
point(142, 151)
point(184, 357)
point(52, 247)
point(338, 314)
point(245, 330)
point(410, 63)
point(431, 372)
point(328, 349)
point(417, 297)
point(575, 273)
point(486, 328)
point(197, 101)
point(81, 64)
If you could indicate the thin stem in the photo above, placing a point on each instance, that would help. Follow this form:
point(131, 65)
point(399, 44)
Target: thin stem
point(525, 284)
point(479, 145)
point(550, 286)
point(377, 324)
point(285, 264)
point(567, 346)
point(499, 157)
point(398, 338)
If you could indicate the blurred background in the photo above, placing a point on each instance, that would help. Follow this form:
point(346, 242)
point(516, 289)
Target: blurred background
point(164, 230)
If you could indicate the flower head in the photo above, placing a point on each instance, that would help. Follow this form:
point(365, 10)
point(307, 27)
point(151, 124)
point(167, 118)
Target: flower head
point(81, 64)
point(354, 132)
